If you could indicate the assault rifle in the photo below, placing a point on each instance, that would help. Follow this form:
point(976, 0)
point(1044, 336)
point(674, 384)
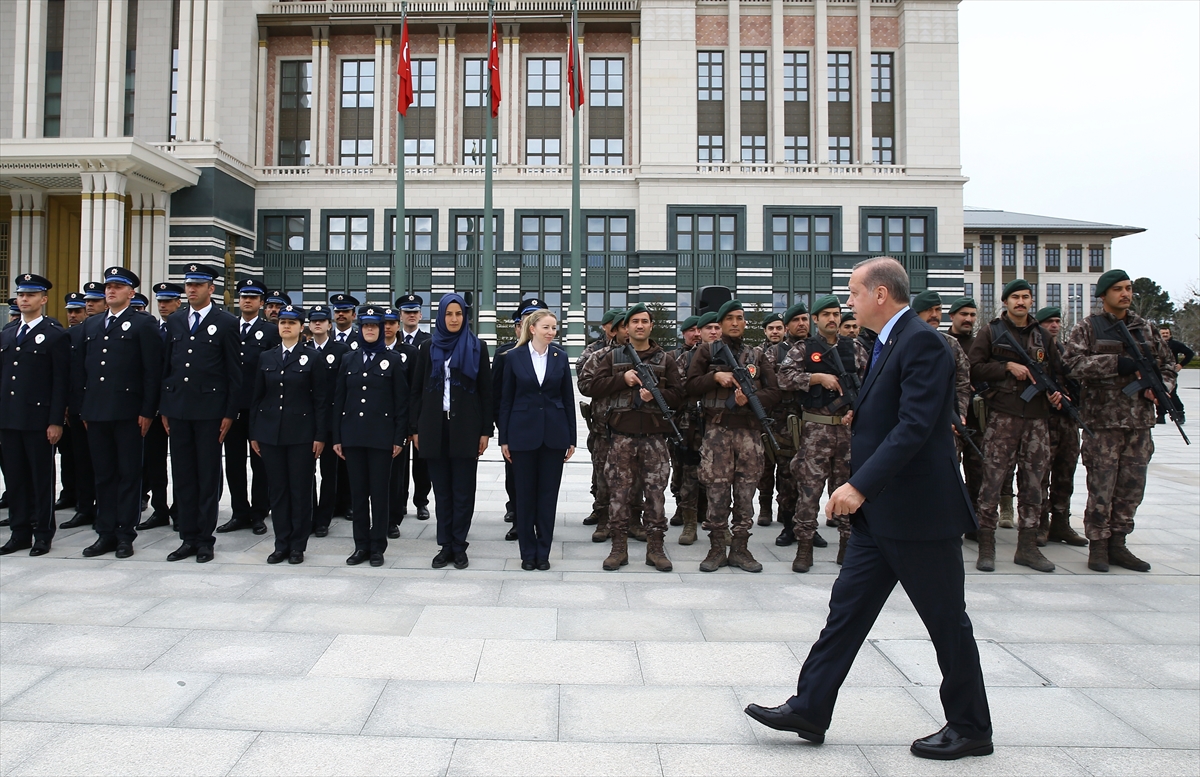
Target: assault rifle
point(745, 381)
point(1039, 380)
point(965, 434)
point(849, 381)
point(650, 383)
point(1150, 378)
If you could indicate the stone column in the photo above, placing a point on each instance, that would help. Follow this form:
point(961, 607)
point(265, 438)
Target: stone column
point(102, 222)
point(148, 243)
point(27, 240)
point(108, 115)
point(733, 85)
point(818, 80)
point(510, 137)
point(450, 105)
point(634, 157)
point(864, 82)
point(441, 99)
point(199, 56)
point(376, 129)
point(317, 156)
point(29, 68)
point(212, 71)
point(183, 80)
point(776, 82)
point(260, 137)
point(387, 104)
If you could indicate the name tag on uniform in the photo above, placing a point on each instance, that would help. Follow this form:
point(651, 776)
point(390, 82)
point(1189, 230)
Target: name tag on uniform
point(40, 339)
point(125, 326)
point(329, 358)
point(383, 365)
point(258, 335)
point(304, 359)
point(212, 329)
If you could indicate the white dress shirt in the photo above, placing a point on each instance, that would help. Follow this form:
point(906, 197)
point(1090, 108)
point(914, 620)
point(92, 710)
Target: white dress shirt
point(539, 362)
point(446, 390)
point(191, 316)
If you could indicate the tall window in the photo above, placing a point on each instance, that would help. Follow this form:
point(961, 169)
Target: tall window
point(841, 110)
point(1054, 295)
point(285, 233)
point(130, 64)
point(598, 302)
point(706, 232)
point(969, 258)
point(987, 254)
point(683, 305)
point(52, 112)
point(475, 112)
point(968, 290)
point(171, 134)
point(606, 112)
point(896, 234)
point(295, 109)
point(1075, 301)
point(1096, 259)
point(1074, 259)
point(754, 106)
point(710, 106)
point(1008, 254)
point(543, 111)
point(883, 111)
point(1033, 294)
point(607, 239)
point(357, 113)
point(987, 300)
point(542, 240)
point(418, 232)
point(1053, 259)
point(801, 234)
point(420, 125)
point(1031, 259)
point(348, 233)
point(795, 107)
point(468, 232)
point(1097, 305)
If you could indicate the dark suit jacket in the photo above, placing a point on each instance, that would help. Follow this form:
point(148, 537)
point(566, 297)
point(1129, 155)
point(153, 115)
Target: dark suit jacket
point(420, 337)
point(533, 415)
point(202, 373)
point(291, 403)
point(34, 377)
point(470, 413)
point(76, 335)
point(122, 367)
point(260, 338)
point(370, 406)
point(902, 453)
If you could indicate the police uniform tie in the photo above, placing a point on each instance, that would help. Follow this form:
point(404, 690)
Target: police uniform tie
point(408, 339)
point(341, 337)
point(22, 332)
point(245, 329)
point(108, 322)
point(195, 321)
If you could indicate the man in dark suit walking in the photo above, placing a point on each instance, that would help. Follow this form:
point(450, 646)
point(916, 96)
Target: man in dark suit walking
point(909, 509)
point(202, 375)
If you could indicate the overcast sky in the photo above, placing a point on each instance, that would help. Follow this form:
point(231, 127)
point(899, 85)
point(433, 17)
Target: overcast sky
point(1089, 109)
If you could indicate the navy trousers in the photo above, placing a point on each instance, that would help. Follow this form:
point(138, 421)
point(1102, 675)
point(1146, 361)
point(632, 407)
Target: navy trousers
point(116, 448)
point(536, 477)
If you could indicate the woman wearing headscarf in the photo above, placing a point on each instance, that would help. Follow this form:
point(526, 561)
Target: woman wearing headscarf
point(370, 425)
point(452, 422)
point(537, 431)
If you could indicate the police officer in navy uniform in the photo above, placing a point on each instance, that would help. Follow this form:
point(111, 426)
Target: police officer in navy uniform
point(139, 302)
point(202, 375)
point(122, 369)
point(412, 334)
point(154, 447)
point(289, 426)
point(275, 302)
point(93, 298)
point(71, 487)
point(407, 354)
point(81, 452)
point(370, 424)
point(329, 356)
point(34, 371)
point(345, 307)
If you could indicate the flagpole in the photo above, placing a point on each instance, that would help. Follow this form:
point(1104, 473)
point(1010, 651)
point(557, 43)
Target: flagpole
point(401, 274)
point(487, 280)
point(577, 322)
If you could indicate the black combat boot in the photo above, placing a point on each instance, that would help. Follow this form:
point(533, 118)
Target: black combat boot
point(1119, 554)
point(1061, 531)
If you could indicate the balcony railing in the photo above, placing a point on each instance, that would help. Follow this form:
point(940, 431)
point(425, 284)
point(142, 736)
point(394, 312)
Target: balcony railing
point(511, 172)
point(418, 7)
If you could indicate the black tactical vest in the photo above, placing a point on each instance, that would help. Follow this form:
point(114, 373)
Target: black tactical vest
point(818, 360)
point(630, 399)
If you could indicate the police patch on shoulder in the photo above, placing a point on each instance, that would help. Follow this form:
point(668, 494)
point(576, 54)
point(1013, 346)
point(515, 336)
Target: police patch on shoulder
point(329, 358)
point(752, 369)
point(304, 360)
point(125, 326)
point(403, 358)
point(1040, 355)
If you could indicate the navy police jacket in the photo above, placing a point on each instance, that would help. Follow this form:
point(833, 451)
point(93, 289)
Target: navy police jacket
point(202, 372)
point(291, 401)
point(122, 367)
point(34, 376)
point(370, 406)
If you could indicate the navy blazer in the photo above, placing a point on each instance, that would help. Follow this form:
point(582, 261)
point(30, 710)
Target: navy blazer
point(370, 406)
point(291, 403)
point(202, 372)
point(902, 452)
point(122, 367)
point(260, 338)
point(533, 415)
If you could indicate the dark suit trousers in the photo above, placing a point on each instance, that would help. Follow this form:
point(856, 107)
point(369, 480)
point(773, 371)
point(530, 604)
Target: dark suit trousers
point(29, 475)
point(931, 573)
point(537, 475)
point(397, 486)
point(510, 486)
point(66, 463)
point(196, 472)
point(117, 458)
point(154, 466)
point(237, 446)
point(454, 496)
point(328, 492)
point(85, 474)
point(370, 491)
point(419, 479)
point(341, 500)
point(290, 474)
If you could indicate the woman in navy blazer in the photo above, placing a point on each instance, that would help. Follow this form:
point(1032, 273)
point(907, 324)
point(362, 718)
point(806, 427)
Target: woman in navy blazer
point(537, 431)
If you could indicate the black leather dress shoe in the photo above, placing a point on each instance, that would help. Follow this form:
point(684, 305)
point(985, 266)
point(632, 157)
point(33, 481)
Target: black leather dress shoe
point(4, 501)
point(65, 502)
point(357, 557)
point(422, 513)
point(40, 548)
point(12, 546)
point(204, 554)
point(460, 560)
point(233, 524)
point(376, 559)
point(511, 536)
point(278, 557)
point(785, 538)
point(784, 718)
point(948, 745)
point(296, 557)
point(321, 531)
point(543, 565)
point(99, 548)
point(819, 541)
point(528, 566)
point(258, 527)
point(349, 516)
point(124, 549)
point(77, 520)
point(3, 521)
point(145, 503)
point(510, 516)
point(393, 532)
point(444, 557)
point(155, 520)
point(186, 550)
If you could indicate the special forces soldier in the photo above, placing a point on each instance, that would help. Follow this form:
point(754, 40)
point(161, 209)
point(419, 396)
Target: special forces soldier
point(1017, 429)
point(849, 327)
point(638, 460)
point(731, 458)
point(1119, 455)
point(690, 334)
point(786, 416)
point(596, 448)
point(773, 333)
point(963, 312)
point(928, 307)
point(1058, 482)
point(692, 500)
point(825, 371)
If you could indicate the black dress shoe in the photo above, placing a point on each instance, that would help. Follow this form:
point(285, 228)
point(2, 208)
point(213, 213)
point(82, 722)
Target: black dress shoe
point(948, 745)
point(233, 524)
point(422, 513)
point(204, 554)
point(510, 516)
point(349, 516)
point(64, 502)
point(511, 536)
point(543, 565)
point(528, 566)
point(12, 546)
point(124, 549)
point(296, 557)
point(786, 537)
point(145, 504)
point(393, 532)
point(444, 557)
point(321, 531)
point(186, 550)
point(258, 527)
point(376, 559)
point(357, 557)
point(77, 520)
point(819, 541)
point(99, 548)
point(278, 557)
point(40, 548)
point(460, 559)
point(155, 520)
point(4, 501)
point(784, 718)
point(4, 522)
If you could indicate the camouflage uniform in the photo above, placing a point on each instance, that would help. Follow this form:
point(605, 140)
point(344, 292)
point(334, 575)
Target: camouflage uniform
point(780, 472)
point(1058, 483)
point(971, 463)
point(1118, 457)
point(596, 447)
point(685, 462)
point(824, 455)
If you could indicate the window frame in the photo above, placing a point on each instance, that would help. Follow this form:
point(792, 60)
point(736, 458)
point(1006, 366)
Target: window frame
point(280, 64)
point(630, 217)
point(389, 224)
point(738, 211)
point(260, 237)
point(770, 212)
point(359, 155)
point(477, 213)
point(931, 227)
point(606, 155)
point(542, 214)
point(422, 159)
point(347, 213)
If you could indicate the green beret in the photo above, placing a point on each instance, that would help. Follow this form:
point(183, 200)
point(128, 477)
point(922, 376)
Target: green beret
point(610, 315)
point(823, 303)
point(689, 322)
point(1108, 279)
point(926, 300)
point(638, 308)
point(1019, 284)
point(848, 316)
point(962, 302)
point(708, 318)
point(1048, 312)
point(795, 310)
point(728, 308)
point(771, 319)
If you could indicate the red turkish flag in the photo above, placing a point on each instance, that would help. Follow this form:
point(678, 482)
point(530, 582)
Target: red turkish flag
point(494, 72)
point(404, 87)
point(574, 73)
